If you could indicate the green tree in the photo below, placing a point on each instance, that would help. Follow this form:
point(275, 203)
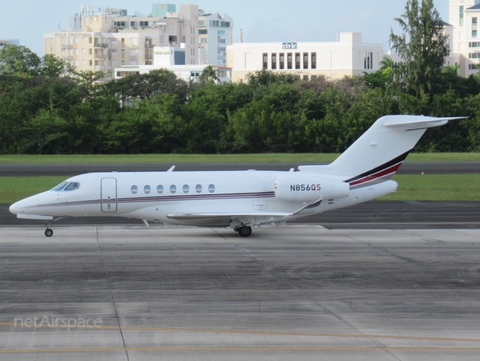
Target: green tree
point(423, 47)
point(89, 82)
point(55, 67)
point(146, 86)
point(19, 60)
point(209, 75)
point(267, 77)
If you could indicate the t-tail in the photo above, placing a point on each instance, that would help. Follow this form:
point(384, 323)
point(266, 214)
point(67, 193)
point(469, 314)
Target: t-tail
point(381, 150)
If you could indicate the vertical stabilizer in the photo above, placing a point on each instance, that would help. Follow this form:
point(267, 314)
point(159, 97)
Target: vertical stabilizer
point(380, 151)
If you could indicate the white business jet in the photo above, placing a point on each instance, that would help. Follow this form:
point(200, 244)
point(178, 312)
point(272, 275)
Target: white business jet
point(239, 199)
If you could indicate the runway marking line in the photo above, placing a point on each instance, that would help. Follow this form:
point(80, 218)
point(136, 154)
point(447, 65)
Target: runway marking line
point(253, 332)
point(196, 349)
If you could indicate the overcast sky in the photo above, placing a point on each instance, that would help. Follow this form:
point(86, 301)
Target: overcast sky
point(260, 20)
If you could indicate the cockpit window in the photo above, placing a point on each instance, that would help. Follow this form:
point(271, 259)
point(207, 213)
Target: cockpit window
point(66, 186)
point(60, 187)
point(72, 186)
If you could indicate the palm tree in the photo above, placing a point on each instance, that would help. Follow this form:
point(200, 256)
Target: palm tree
point(209, 74)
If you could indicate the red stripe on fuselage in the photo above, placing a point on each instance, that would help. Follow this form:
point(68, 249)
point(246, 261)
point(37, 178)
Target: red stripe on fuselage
point(374, 176)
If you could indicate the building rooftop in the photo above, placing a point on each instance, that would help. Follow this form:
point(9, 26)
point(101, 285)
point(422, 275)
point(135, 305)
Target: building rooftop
point(474, 7)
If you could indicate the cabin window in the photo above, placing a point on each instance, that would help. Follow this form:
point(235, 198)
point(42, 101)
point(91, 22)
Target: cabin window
point(147, 189)
point(60, 187)
point(211, 188)
point(173, 189)
point(160, 189)
point(186, 188)
point(72, 186)
point(134, 189)
point(198, 188)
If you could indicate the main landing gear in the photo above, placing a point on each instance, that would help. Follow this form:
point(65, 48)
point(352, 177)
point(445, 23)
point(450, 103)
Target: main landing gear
point(48, 231)
point(244, 231)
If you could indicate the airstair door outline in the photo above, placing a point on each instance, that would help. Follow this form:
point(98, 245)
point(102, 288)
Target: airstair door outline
point(108, 194)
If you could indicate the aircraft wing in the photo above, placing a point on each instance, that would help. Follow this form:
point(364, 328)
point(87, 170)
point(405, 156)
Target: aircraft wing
point(224, 219)
point(213, 216)
point(204, 215)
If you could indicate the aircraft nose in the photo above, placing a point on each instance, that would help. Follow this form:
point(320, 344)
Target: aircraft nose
point(15, 208)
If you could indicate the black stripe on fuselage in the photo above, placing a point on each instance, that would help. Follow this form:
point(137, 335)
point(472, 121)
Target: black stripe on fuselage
point(389, 164)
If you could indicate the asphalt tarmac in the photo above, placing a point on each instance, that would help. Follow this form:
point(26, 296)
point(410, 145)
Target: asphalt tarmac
point(300, 292)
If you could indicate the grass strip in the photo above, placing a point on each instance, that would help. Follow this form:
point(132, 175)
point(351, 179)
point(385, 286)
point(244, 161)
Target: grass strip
point(436, 187)
point(431, 187)
point(216, 158)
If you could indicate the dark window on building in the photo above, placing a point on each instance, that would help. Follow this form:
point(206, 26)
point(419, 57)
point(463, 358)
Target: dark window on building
point(305, 60)
point(282, 61)
point(368, 60)
point(297, 60)
point(265, 61)
point(274, 61)
point(289, 60)
point(314, 61)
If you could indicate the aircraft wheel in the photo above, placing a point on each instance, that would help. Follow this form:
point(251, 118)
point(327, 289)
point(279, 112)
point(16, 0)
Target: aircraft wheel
point(245, 231)
point(48, 232)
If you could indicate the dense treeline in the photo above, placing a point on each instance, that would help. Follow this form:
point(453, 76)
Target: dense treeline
point(48, 108)
point(158, 113)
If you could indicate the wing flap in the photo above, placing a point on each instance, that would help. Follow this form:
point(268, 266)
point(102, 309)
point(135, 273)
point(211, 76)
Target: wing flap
point(216, 215)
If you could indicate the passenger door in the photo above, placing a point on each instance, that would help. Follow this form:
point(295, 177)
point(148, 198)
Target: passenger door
point(108, 194)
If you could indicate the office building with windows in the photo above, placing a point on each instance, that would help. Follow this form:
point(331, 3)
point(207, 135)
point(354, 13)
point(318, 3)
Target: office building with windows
point(347, 57)
point(215, 33)
point(464, 35)
point(103, 39)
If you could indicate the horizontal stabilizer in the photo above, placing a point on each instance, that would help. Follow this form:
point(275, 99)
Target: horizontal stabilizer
point(419, 122)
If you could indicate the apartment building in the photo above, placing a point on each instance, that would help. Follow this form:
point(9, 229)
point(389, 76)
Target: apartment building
point(464, 35)
point(103, 39)
point(346, 57)
point(215, 33)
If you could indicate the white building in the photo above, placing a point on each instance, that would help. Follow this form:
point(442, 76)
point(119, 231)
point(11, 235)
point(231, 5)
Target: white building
point(215, 34)
point(347, 57)
point(103, 39)
point(171, 59)
point(464, 16)
point(4, 42)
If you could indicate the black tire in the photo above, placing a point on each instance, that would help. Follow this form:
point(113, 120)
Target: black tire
point(245, 231)
point(48, 232)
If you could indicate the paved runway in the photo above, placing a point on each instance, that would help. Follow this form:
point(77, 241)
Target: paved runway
point(300, 292)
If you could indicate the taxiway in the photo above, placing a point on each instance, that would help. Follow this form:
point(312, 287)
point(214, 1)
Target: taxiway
point(297, 292)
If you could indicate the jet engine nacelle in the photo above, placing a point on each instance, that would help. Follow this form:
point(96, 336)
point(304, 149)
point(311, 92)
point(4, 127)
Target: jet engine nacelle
point(306, 188)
